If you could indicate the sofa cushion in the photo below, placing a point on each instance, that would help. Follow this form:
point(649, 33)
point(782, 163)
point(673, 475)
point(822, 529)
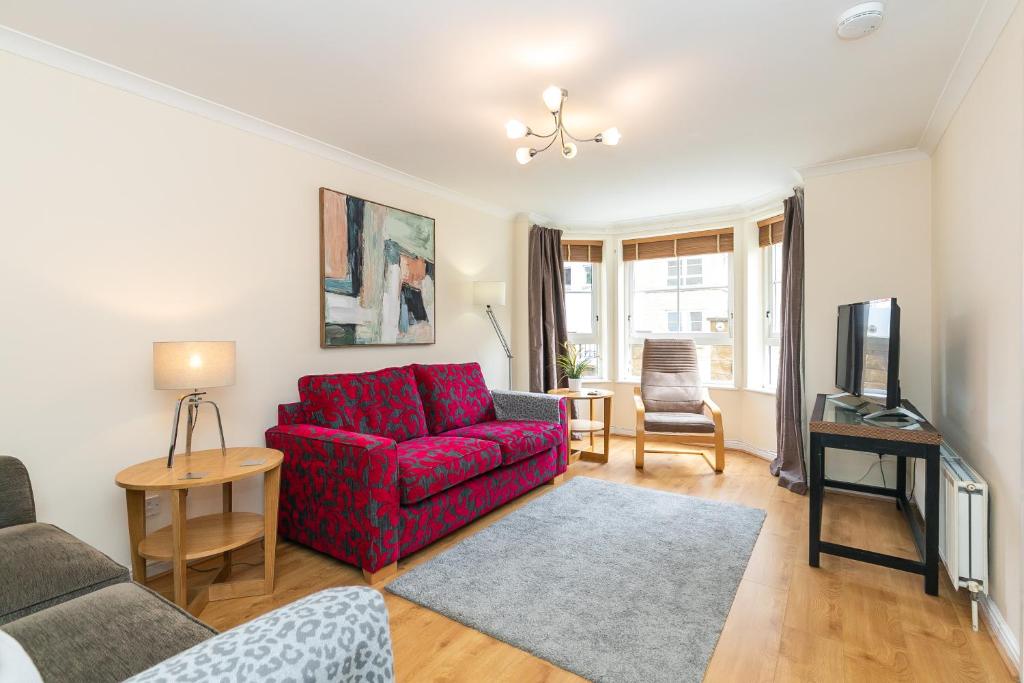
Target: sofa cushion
point(106, 635)
point(432, 464)
point(683, 423)
point(518, 439)
point(454, 395)
point(383, 402)
point(41, 565)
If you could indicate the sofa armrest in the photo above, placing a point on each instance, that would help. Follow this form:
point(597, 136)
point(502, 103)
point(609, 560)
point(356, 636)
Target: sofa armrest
point(339, 492)
point(291, 414)
point(525, 405)
point(336, 634)
point(17, 506)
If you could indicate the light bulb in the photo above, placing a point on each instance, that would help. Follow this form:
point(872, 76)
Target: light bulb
point(610, 136)
point(516, 129)
point(569, 151)
point(195, 361)
point(552, 97)
point(525, 154)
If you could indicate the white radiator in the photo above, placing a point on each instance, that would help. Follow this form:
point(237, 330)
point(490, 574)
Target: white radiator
point(963, 527)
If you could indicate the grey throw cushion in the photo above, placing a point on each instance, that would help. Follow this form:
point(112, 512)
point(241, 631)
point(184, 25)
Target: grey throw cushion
point(525, 405)
point(16, 503)
point(41, 565)
point(683, 423)
point(106, 635)
point(340, 634)
point(672, 392)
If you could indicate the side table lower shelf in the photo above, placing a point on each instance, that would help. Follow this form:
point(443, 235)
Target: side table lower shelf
point(205, 536)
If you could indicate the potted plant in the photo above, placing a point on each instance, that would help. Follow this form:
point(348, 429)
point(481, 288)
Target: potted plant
point(574, 364)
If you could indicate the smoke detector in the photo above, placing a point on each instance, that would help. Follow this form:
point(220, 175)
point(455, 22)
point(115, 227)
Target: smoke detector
point(860, 20)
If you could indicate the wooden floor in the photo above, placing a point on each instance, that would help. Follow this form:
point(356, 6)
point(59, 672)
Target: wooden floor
point(846, 621)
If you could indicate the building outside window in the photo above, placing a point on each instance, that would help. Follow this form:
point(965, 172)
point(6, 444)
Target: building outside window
point(681, 297)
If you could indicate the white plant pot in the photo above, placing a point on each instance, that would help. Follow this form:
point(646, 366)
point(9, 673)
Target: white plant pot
point(576, 384)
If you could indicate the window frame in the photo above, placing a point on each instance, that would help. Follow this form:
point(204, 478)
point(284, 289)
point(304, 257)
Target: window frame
point(595, 337)
point(699, 338)
point(771, 338)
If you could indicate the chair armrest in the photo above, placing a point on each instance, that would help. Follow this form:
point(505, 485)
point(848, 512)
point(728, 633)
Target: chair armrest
point(716, 412)
point(339, 492)
point(525, 405)
point(17, 506)
point(339, 633)
point(638, 403)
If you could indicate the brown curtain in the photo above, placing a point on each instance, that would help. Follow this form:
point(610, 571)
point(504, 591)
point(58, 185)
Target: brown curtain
point(788, 465)
point(546, 296)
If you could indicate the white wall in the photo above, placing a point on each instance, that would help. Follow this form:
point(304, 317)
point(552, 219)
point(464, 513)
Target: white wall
point(977, 269)
point(125, 221)
point(867, 235)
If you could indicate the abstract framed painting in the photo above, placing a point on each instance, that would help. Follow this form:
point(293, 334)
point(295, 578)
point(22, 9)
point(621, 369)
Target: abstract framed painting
point(377, 273)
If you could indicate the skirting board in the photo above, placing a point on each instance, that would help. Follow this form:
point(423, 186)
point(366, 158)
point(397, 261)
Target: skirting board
point(1003, 637)
point(732, 444)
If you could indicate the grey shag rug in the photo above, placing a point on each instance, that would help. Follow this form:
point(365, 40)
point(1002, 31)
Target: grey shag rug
point(609, 581)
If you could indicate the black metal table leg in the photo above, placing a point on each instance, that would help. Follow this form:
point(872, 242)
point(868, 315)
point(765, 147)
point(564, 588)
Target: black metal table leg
point(901, 479)
point(931, 505)
point(817, 482)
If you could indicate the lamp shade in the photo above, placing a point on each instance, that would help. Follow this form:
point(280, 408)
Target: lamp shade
point(193, 364)
point(489, 293)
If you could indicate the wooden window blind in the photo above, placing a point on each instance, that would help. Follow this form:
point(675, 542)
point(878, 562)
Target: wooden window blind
point(769, 231)
point(582, 251)
point(682, 244)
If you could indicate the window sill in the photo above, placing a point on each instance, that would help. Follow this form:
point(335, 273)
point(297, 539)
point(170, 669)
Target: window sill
point(768, 391)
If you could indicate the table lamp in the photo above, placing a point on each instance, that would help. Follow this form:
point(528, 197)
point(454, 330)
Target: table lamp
point(493, 294)
point(193, 365)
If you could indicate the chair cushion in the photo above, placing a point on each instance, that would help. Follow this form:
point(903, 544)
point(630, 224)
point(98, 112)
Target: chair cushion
point(453, 395)
point(383, 402)
point(518, 439)
point(107, 635)
point(671, 392)
point(41, 565)
point(431, 464)
point(679, 423)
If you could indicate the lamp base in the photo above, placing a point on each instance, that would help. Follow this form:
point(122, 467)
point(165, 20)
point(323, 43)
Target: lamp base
point(195, 400)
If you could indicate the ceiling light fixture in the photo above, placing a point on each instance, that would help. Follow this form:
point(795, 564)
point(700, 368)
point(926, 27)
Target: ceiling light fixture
point(554, 98)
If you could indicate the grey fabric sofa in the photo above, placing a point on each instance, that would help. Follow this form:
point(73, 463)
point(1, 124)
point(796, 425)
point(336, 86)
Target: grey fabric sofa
point(78, 617)
point(41, 565)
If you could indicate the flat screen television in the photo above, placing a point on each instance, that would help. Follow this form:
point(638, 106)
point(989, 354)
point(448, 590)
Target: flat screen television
point(868, 351)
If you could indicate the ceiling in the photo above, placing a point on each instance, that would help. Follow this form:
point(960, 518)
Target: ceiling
point(717, 101)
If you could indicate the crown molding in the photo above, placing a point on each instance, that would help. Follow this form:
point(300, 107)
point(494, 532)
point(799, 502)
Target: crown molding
point(902, 156)
point(985, 32)
point(38, 50)
point(766, 204)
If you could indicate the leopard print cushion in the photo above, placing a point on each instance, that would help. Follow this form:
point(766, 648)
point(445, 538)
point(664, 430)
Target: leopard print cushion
point(340, 634)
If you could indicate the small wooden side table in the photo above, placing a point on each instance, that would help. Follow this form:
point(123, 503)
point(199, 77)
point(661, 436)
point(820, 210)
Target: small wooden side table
point(590, 426)
point(201, 537)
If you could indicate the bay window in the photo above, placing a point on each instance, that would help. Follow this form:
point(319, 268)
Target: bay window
point(680, 286)
point(582, 278)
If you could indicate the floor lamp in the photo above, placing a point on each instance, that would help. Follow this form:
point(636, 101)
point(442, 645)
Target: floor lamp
point(490, 294)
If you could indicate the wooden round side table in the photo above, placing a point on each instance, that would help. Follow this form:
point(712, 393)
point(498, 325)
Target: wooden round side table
point(202, 537)
point(590, 426)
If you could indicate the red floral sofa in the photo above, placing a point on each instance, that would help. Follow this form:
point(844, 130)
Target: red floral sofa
point(379, 464)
